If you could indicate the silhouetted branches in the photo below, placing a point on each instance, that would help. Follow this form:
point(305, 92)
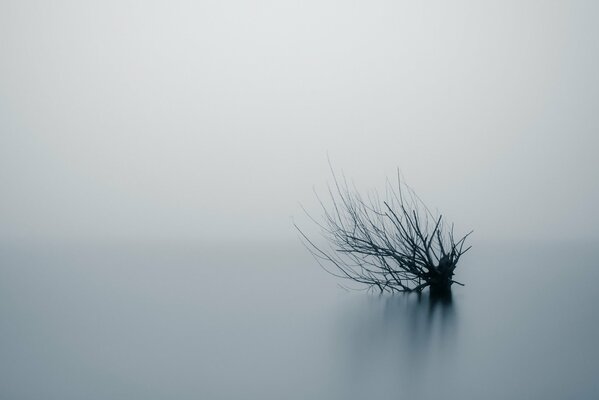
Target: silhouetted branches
point(392, 243)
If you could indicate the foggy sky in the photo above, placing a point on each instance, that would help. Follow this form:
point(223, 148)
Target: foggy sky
point(211, 120)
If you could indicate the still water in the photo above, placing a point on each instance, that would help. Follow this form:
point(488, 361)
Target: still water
point(229, 321)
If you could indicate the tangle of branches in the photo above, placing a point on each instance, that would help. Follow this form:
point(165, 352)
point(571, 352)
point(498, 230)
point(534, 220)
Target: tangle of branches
point(390, 243)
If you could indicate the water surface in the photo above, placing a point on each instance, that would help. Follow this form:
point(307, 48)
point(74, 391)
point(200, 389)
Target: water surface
point(228, 321)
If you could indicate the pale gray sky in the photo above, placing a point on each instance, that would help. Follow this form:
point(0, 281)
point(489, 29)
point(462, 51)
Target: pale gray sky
point(188, 120)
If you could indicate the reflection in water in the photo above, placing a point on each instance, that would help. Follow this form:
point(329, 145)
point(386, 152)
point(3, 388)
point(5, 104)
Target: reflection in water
point(396, 344)
point(155, 322)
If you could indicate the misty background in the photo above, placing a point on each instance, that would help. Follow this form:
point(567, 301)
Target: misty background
point(154, 156)
point(211, 120)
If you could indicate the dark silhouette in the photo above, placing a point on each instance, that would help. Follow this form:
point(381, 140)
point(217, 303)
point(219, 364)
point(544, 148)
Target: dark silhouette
point(392, 243)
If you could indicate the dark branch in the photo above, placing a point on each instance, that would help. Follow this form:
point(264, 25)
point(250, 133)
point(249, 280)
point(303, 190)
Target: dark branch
point(392, 245)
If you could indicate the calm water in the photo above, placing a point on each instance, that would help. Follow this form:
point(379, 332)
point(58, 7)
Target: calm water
point(235, 322)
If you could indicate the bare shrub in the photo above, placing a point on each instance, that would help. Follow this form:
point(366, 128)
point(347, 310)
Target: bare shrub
point(390, 243)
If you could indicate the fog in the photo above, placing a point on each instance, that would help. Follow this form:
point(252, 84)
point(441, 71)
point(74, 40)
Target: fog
point(212, 120)
point(154, 156)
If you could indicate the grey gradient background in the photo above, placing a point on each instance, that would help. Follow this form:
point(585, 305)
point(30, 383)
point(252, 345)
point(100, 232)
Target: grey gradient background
point(153, 156)
point(211, 120)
